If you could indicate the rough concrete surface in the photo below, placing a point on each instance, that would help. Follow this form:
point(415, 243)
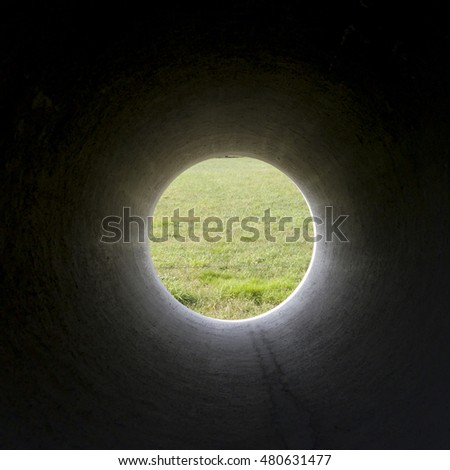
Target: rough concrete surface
point(102, 110)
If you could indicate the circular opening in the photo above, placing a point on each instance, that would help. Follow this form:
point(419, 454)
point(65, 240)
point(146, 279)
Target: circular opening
point(231, 237)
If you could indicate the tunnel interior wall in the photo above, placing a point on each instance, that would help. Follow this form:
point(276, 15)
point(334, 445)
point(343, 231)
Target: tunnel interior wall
point(97, 354)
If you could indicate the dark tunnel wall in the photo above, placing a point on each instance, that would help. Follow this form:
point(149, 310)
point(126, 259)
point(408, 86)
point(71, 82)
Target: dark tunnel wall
point(102, 110)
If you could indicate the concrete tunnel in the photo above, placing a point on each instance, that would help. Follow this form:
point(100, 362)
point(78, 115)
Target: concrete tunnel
point(103, 109)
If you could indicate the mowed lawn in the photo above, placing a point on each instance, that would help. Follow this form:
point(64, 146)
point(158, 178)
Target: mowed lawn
point(235, 279)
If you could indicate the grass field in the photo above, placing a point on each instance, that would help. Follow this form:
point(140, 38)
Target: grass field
point(231, 279)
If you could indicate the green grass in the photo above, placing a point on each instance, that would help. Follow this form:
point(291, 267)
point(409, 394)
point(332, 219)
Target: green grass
point(238, 279)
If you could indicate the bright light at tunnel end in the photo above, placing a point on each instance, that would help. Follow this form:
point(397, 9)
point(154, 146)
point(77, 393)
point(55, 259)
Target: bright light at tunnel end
point(131, 228)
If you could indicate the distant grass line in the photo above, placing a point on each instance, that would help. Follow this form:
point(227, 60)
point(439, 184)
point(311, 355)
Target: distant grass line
point(207, 277)
point(221, 266)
